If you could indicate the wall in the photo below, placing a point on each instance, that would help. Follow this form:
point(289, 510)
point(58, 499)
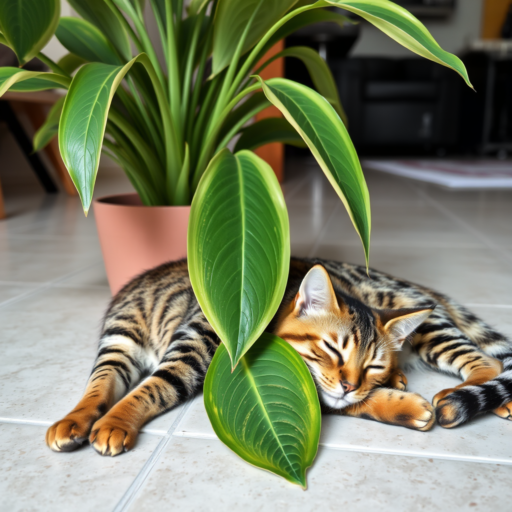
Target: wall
point(54, 49)
point(452, 33)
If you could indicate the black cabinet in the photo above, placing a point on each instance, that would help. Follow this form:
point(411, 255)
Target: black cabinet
point(399, 104)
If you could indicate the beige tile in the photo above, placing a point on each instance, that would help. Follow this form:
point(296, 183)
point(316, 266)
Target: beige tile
point(469, 275)
point(36, 479)
point(93, 276)
point(10, 291)
point(48, 346)
point(202, 474)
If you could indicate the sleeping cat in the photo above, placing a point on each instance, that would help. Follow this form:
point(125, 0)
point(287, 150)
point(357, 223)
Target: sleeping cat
point(156, 346)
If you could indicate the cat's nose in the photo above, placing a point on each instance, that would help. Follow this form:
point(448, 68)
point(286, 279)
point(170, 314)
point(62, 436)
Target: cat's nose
point(347, 386)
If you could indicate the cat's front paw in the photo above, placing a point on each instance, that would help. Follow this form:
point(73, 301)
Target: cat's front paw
point(398, 381)
point(415, 412)
point(112, 436)
point(67, 434)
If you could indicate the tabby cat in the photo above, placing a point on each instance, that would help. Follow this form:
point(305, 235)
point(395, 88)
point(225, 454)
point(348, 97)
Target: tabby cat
point(348, 327)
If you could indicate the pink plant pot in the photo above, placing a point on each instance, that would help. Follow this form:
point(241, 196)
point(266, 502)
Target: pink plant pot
point(135, 238)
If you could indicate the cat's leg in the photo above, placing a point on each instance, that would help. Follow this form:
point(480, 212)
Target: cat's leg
point(396, 408)
point(397, 380)
point(442, 345)
point(178, 377)
point(119, 365)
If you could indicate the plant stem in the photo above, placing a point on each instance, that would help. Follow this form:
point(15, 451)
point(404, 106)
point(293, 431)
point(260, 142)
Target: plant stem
point(138, 142)
point(172, 148)
point(174, 74)
point(209, 142)
point(51, 64)
point(225, 92)
point(250, 61)
point(189, 68)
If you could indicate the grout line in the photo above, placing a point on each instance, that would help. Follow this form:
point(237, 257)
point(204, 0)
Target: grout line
point(44, 423)
point(320, 236)
point(468, 227)
point(382, 451)
point(130, 494)
point(296, 188)
point(496, 306)
point(195, 435)
point(421, 455)
point(44, 286)
point(26, 422)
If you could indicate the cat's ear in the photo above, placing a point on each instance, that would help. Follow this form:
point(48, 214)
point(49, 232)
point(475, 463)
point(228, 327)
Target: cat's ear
point(399, 323)
point(316, 293)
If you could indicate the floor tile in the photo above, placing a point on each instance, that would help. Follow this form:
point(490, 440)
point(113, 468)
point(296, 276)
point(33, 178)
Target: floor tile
point(94, 276)
point(36, 479)
point(48, 346)
point(202, 474)
point(473, 275)
point(10, 291)
point(485, 439)
point(45, 366)
point(417, 224)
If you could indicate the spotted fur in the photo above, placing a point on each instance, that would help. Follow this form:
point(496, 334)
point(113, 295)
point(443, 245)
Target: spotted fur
point(156, 346)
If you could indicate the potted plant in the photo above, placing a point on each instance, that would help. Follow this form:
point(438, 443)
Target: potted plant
point(168, 128)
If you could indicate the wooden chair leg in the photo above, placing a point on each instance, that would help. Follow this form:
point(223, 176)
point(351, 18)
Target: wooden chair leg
point(37, 116)
point(2, 207)
point(25, 145)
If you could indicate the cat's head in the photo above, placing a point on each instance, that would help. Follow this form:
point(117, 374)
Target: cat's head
point(348, 346)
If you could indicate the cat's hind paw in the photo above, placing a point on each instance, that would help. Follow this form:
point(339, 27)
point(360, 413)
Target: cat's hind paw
point(505, 411)
point(112, 436)
point(454, 409)
point(67, 435)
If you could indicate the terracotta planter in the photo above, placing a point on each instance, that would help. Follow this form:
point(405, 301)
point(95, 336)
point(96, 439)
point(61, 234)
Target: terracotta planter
point(135, 237)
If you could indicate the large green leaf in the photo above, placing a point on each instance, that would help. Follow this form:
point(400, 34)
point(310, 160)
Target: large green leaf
point(403, 27)
point(83, 39)
point(238, 248)
point(28, 25)
point(318, 71)
point(271, 129)
point(267, 410)
point(231, 19)
point(327, 138)
point(83, 121)
point(101, 16)
point(50, 127)
point(16, 79)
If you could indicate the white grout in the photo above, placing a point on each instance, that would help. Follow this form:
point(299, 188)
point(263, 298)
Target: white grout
point(422, 455)
point(131, 493)
point(319, 238)
point(26, 422)
point(496, 306)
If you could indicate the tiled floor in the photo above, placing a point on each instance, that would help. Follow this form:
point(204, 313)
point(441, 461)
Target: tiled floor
point(53, 292)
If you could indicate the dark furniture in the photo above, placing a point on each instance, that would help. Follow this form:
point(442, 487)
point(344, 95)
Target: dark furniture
point(486, 117)
point(399, 104)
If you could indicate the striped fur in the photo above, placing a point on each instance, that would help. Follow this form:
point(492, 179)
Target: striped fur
point(156, 346)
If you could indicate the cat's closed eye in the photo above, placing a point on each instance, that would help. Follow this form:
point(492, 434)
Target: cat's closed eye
point(377, 367)
point(335, 351)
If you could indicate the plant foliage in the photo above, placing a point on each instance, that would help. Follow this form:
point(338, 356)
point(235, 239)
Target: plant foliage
point(167, 124)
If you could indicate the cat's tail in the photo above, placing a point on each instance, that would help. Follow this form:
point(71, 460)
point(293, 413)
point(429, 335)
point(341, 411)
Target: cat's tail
point(465, 403)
